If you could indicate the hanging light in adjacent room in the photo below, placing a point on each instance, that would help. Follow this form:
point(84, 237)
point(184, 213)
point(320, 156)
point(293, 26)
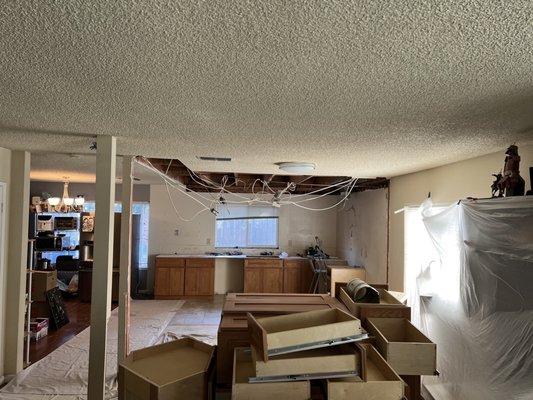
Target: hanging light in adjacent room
point(66, 199)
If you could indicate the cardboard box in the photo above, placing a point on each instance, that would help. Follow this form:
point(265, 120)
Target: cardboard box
point(406, 349)
point(42, 282)
point(295, 332)
point(40, 309)
point(173, 370)
point(242, 390)
point(326, 360)
point(379, 382)
point(388, 306)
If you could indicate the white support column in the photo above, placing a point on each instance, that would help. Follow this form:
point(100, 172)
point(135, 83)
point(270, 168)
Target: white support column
point(125, 258)
point(102, 264)
point(19, 205)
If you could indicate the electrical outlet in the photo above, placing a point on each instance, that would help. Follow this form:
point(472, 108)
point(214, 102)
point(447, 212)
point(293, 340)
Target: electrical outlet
point(208, 241)
point(176, 232)
point(290, 243)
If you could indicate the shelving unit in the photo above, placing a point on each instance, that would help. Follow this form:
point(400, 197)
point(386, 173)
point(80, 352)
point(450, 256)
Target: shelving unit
point(29, 272)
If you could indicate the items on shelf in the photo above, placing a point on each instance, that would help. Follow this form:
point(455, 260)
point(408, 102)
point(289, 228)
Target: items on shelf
point(509, 183)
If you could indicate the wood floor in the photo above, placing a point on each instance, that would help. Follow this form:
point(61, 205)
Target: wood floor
point(79, 315)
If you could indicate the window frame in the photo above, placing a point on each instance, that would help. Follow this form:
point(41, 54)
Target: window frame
point(276, 217)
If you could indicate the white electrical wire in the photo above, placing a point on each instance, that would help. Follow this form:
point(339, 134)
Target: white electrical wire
point(221, 188)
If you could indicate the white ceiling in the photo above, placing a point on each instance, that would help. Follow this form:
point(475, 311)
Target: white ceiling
point(364, 88)
point(57, 167)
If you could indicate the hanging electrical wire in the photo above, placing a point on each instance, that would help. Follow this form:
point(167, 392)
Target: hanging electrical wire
point(283, 197)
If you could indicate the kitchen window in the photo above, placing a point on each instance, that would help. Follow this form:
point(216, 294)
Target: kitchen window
point(247, 227)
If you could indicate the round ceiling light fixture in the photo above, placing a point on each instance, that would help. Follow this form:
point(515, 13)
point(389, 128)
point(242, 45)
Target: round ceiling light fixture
point(296, 167)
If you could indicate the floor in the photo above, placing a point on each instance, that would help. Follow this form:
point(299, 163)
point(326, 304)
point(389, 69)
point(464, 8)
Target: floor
point(198, 317)
point(80, 317)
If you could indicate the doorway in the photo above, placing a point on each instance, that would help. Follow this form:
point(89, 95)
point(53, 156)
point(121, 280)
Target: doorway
point(3, 251)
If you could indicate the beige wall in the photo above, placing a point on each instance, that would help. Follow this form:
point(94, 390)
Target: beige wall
point(449, 183)
point(297, 227)
point(362, 233)
point(5, 172)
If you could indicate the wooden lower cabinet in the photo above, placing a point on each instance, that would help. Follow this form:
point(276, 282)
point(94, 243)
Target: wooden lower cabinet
point(263, 276)
point(272, 280)
point(199, 281)
point(297, 276)
point(176, 277)
point(176, 281)
point(162, 281)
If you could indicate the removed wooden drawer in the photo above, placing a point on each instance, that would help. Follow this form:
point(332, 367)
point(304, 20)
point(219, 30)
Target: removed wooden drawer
point(242, 390)
point(297, 332)
point(178, 369)
point(379, 383)
point(388, 305)
point(406, 349)
point(329, 360)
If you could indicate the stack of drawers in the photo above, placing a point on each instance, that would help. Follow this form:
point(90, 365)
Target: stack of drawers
point(233, 330)
point(288, 352)
point(407, 350)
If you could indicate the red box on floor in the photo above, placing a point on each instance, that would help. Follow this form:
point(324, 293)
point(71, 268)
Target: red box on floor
point(38, 328)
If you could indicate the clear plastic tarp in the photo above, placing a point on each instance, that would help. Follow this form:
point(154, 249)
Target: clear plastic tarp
point(474, 297)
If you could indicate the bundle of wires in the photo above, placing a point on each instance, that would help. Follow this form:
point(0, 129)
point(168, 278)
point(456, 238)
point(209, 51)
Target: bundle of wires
point(219, 194)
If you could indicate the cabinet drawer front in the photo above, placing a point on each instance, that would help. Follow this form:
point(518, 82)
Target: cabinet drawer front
point(200, 262)
point(169, 262)
point(297, 263)
point(262, 262)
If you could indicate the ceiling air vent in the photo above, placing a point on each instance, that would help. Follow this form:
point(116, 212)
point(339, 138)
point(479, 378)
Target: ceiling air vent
point(223, 159)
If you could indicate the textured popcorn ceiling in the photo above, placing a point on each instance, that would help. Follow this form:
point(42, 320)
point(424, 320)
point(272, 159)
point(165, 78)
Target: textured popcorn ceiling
point(364, 88)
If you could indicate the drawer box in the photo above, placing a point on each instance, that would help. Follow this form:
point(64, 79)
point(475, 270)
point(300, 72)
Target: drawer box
point(388, 305)
point(328, 360)
point(379, 383)
point(177, 369)
point(406, 349)
point(295, 332)
point(242, 390)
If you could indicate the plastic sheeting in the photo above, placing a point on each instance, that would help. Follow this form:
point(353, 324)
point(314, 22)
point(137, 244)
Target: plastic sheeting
point(62, 374)
point(476, 300)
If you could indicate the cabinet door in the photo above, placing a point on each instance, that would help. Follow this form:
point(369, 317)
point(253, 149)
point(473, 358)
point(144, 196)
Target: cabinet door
point(191, 281)
point(177, 278)
point(162, 281)
point(292, 279)
point(272, 280)
point(205, 284)
point(253, 280)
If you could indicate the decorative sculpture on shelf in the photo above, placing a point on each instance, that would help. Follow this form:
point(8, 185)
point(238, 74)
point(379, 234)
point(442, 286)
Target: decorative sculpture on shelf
point(510, 183)
point(496, 185)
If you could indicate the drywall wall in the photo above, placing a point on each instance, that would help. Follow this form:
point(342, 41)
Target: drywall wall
point(297, 227)
point(449, 183)
point(5, 173)
point(141, 193)
point(362, 233)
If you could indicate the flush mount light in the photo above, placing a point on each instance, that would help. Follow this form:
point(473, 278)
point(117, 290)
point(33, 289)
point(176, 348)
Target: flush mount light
point(296, 167)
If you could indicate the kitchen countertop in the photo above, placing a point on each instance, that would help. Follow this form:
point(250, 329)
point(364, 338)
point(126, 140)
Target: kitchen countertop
point(243, 256)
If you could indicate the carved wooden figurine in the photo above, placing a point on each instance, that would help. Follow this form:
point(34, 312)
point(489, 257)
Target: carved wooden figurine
point(511, 182)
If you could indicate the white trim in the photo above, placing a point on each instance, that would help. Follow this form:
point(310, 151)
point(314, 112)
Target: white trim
point(3, 273)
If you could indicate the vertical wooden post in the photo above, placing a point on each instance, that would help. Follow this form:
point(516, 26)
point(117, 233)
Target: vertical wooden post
point(125, 258)
point(17, 253)
point(102, 264)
